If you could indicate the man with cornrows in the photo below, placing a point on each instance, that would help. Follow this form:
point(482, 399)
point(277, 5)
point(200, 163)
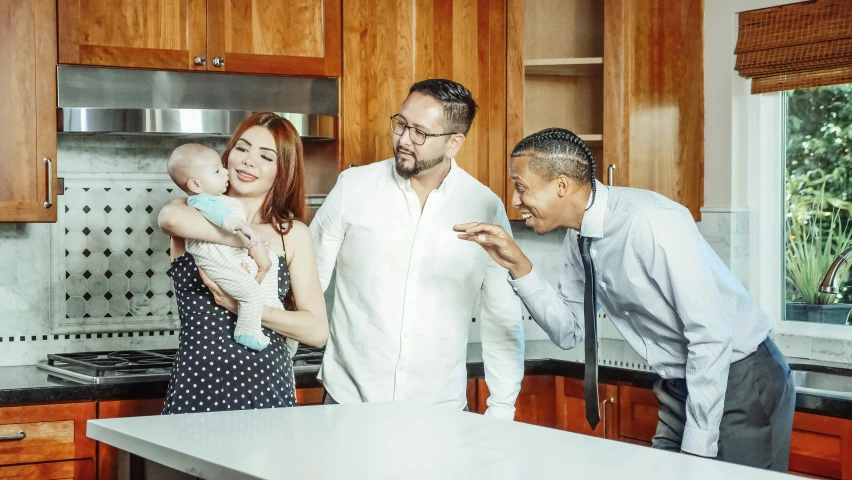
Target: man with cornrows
point(726, 390)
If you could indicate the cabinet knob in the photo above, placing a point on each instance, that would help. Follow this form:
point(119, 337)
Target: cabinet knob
point(352, 165)
point(200, 60)
point(218, 62)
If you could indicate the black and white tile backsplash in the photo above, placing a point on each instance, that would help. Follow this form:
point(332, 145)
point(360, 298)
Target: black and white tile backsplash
point(116, 258)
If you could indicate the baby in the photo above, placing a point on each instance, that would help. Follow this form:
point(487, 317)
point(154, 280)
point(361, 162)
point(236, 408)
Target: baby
point(198, 171)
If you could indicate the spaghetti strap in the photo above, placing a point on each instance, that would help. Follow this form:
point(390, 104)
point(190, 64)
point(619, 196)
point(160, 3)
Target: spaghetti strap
point(282, 243)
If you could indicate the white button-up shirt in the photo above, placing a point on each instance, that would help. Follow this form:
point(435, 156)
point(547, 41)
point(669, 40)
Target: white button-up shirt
point(666, 292)
point(405, 287)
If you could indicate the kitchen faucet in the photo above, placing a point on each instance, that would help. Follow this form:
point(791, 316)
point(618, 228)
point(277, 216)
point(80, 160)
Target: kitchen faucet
point(829, 282)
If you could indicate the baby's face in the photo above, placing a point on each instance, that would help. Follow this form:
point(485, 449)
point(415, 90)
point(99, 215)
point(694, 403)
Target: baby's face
point(210, 174)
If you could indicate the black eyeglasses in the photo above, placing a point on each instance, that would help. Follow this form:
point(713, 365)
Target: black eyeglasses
point(417, 136)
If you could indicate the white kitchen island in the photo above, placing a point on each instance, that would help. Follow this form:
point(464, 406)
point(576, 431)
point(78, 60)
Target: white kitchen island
point(389, 441)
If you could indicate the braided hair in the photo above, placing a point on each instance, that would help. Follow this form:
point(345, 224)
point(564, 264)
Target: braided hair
point(556, 151)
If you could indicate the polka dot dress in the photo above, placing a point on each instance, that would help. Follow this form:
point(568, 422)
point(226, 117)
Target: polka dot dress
point(212, 372)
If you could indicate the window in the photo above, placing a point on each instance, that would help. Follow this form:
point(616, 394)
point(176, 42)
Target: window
point(818, 200)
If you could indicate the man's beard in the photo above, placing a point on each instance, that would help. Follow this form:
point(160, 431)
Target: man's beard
point(419, 165)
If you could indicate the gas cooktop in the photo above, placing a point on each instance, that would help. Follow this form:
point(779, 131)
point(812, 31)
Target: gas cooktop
point(128, 366)
point(123, 366)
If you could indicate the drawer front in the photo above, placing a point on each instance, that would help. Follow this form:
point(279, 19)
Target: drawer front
point(44, 433)
point(71, 470)
point(107, 455)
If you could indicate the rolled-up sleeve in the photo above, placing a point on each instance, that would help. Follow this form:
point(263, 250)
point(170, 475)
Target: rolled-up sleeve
point(502, 335)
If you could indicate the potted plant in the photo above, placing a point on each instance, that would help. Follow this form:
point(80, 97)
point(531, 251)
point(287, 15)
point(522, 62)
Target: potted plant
point(814, 239)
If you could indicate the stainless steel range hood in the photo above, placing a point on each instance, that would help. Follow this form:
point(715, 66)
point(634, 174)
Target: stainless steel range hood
point(120, 101)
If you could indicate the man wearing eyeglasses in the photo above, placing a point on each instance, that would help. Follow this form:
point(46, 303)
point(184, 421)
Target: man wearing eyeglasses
point(405, 287)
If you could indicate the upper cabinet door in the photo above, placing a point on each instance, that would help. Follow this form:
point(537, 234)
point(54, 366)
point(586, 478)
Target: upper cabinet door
point(654, 97)
point(156, 34)
point(28, 83)
point(293, 37)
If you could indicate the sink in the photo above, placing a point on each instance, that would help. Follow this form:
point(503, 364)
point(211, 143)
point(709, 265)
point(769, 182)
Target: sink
point(825, 384)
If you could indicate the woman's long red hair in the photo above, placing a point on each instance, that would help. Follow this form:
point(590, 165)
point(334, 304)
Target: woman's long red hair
point(285, 201)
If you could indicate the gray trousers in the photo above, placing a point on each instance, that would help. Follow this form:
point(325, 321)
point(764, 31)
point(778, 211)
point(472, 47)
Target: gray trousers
point(758, 414)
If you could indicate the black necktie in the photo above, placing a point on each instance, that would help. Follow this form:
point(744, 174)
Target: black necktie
point(590, 380)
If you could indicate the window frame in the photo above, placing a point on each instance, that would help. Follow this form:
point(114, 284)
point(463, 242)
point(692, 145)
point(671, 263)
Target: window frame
point(745, 162)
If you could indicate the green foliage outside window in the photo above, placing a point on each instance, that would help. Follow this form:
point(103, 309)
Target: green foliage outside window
point(818, 189)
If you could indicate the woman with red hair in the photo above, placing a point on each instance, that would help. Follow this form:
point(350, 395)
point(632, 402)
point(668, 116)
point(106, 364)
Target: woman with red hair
point(213, 372)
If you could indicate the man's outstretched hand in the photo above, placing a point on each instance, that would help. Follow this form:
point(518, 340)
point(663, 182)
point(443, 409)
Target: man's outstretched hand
point(499, 244)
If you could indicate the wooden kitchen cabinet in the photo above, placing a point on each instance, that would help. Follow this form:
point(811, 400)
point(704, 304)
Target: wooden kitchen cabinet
point(71, 470)
point(161, 34)
point(536, 403)
point(387, 46)
point(637, 414)
point(310, 396)
point(107, 455)
point(626, 76)
point(297, 37)
point(47, 433)
point(555, 72)
point(471, 396)
point(654, 97)
point(571, 408)
point(28, 83)
point(821, 446)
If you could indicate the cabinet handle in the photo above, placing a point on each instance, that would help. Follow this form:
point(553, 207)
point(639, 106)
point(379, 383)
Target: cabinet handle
point(218, 62)
point(8, 438)
point(49, 202)
point(352, 165)
point(603, 407)
point(200, 60)
point(609, 173)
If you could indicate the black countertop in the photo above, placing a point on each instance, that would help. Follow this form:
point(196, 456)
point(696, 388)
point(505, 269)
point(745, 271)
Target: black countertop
point(28, 384)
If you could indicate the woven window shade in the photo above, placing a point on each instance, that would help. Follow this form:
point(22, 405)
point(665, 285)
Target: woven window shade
point(800, 45)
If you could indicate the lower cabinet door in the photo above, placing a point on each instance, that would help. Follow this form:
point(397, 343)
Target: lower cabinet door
point(571, 408)
point(70, 470)
point(535, 404)
point(107, 455)
point(821, 446)
point(637, 414)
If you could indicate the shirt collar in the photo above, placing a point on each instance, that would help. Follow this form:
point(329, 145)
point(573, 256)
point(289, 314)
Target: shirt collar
point(449, 180)
point(593, 220)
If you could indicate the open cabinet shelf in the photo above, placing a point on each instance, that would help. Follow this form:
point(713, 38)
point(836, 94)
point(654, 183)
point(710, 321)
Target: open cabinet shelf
point(566, 67)
point(561, 72)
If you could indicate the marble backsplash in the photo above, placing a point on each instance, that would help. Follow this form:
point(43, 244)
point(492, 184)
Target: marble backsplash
point(46, 276)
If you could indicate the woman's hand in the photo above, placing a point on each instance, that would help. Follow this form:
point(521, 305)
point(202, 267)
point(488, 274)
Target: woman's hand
point(498, 244)
point(222, 299)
